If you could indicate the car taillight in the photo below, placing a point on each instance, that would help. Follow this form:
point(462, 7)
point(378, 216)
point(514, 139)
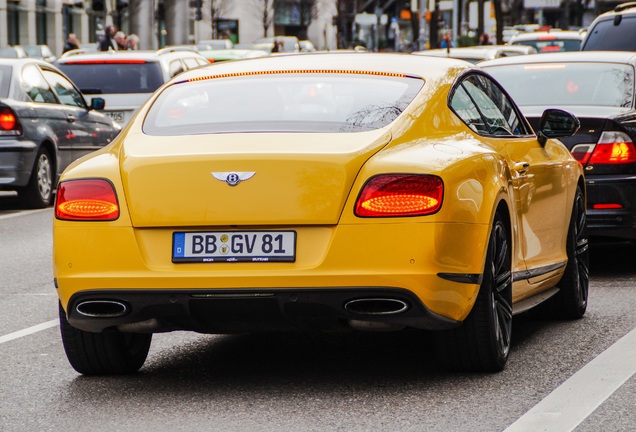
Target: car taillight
point(9, 123)
point(86, 200)
point(614, 148)
point(391, 195)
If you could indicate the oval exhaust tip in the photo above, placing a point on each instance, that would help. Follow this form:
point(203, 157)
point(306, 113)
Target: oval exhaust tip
point(376, 306)
point(101, 308)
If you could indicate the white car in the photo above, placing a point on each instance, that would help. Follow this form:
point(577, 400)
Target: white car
point(550, 41)
point(126, 79)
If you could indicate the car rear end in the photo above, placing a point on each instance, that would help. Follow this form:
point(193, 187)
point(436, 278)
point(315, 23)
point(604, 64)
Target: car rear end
point(125, 82)
point(601, 95)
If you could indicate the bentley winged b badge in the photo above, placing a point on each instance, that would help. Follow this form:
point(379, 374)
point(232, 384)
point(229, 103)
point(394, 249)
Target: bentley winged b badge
point(233, 178)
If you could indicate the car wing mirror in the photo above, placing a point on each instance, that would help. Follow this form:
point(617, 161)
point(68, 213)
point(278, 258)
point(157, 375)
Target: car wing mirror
point(556, 123)
point(98, 104)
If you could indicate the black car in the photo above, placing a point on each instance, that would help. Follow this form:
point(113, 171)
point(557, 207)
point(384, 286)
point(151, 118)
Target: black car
point(45, 124)
point(598, 87)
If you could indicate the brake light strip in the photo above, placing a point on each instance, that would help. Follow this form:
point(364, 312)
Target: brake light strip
point(300, 71)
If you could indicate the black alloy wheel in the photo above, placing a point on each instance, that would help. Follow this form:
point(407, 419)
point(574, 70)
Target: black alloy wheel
point(38, 193)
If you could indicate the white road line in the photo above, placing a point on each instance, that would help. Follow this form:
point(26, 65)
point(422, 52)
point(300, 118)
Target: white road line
point(574, 400)
point(28, 331)
point(22, 213)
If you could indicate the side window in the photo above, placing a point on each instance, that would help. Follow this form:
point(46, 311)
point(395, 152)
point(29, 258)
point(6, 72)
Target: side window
point(202, 62)
point(190, 63)
point(499, 115)
point(465, 108)
point(175, 68)
point(64, 89)
point(36, 87)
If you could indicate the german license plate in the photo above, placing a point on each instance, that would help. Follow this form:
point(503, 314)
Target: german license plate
point(234, 246)
point(117, 116)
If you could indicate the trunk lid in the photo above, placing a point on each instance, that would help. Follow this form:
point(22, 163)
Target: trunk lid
point(297, 179)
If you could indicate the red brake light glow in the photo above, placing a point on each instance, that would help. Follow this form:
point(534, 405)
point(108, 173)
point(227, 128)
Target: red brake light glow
point(86, 200)
point(607, 206)
point(108, 61)
point(614, 148)
point(392, 195)
point(9, 124)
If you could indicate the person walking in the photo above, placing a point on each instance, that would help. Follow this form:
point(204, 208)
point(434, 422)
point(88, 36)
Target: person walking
point(106, 41)
point(71, 43)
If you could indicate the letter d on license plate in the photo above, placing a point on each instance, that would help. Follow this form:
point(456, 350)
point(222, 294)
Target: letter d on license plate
point(234, 246)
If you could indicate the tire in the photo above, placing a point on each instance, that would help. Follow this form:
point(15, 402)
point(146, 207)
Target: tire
point(571, 300)
point(38, 193)
point(106, 353)
point(482, 342)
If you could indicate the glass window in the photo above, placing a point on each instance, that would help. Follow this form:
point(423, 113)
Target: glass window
point(109, 78)
point(5, 80)
point(559, 84)
point(465, 108)
point(190, 63)
point(605, 36)
point(554, 45)
point(281, 103)
point(36, 87)
point(66, 93)
point(175, 68)
point(497, 110)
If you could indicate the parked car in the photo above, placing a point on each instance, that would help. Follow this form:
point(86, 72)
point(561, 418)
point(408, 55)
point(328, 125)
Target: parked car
point(42, 52)
point(332, 191)
point(216, 56)
point(13, 52)
point(613, 30)
point(549, 42)
point(598, 87)
point(215, 44)
point(45, 124)
point(125, 79)
point(290, 44)
point(479, 53)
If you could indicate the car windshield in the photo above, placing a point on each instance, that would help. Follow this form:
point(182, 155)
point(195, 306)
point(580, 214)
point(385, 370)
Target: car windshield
point(607, 36)
point(114, 77)
point(552, 45)
point(5, 80)
point(33, 50)
point(8, 52)
point(281, 103)
point(558, 84)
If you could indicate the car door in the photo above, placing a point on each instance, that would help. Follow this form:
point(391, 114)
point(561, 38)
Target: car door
point(49, 115)
point(87, 131)
point(537, 174)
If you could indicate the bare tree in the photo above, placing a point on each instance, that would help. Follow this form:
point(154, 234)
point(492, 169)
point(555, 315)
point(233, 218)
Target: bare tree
point(264, 10)
point(218, 8)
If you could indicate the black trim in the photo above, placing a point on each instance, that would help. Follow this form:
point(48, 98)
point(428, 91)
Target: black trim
point(249, 310)
point(468, 278)
point(535, 272)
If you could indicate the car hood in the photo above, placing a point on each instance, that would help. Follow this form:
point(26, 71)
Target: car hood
point(283, 178)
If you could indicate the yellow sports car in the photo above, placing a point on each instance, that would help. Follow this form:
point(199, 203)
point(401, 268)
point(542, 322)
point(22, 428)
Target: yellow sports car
point(338, 191)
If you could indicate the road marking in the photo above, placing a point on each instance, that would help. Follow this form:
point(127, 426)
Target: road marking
point(28, 331)
point(22, 213)
point(574, 400)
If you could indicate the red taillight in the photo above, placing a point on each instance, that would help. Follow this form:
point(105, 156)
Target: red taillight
point(607, 206)
point(614, 148)
point(392, 195)
point(9, 124)
point(86, 200)
point(107, 61)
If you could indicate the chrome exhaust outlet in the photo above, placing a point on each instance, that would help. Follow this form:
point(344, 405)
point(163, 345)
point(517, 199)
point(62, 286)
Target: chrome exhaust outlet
point(101, 308)
point(376, 306)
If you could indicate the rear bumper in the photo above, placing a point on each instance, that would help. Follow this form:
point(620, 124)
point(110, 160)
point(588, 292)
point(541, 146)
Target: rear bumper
point(613, 223)
point(16, 161)
point(234, 311)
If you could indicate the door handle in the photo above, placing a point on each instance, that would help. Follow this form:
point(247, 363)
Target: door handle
point(71, 118)
point(521, 167)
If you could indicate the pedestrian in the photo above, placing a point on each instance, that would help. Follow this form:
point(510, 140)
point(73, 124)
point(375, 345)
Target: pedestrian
point(447, 41)
point(133, 42)
point(106, 41)
point(120, 39)
point(71, 43)
point(279, 46)
point(484, 39)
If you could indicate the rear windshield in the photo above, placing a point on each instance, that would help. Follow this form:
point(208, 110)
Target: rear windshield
point(107, 78)
point(281, 103)
point(558, 84)
point(605, 36)
point(553, 45)
point(5, 80)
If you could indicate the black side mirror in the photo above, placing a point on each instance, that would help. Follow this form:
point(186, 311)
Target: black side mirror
point(556, 123)
point(98, 104)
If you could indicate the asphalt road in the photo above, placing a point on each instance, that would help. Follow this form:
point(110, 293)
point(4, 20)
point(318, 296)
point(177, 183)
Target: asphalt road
point(559, 373)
